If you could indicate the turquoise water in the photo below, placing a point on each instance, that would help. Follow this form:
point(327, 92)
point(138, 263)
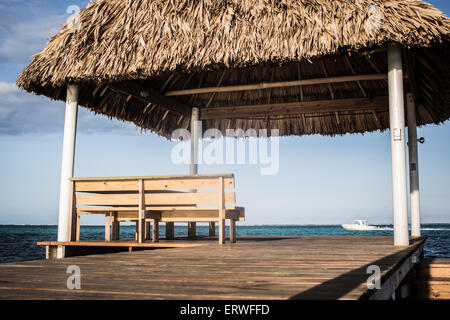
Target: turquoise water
point(18, 243)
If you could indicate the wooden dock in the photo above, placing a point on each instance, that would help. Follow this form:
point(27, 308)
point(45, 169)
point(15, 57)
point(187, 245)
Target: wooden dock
point(433, 279)
point(303, 267)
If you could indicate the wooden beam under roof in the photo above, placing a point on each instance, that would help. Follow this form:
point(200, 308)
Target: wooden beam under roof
point(148, 95)
point(296, 108)
point(282, 84)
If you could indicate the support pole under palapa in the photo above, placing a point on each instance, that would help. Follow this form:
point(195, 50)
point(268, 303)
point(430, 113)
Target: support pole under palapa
point(398, 153)
point(414, 193)
point(195, 134)
point(67, 164)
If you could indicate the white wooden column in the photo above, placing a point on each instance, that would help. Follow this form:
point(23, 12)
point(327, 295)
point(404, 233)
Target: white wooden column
point(68, 155)
point(398, 153)
point(195, 134)
point(414, 193)
point(194, 140)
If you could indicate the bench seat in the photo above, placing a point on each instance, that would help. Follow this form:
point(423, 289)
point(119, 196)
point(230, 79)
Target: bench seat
point(169, 214)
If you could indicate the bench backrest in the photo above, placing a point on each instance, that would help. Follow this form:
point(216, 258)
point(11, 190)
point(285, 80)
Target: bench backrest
point(156, 191)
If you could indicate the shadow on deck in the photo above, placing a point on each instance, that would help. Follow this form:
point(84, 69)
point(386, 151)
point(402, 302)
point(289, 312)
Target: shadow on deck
point(352, 281)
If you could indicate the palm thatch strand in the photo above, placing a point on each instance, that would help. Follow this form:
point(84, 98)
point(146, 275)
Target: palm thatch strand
point(135, 59)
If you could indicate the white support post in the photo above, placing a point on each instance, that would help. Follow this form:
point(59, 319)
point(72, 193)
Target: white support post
point(194, 140)
point(414, 193)
point(68, 155)
point(195, 134)
point(398, 152)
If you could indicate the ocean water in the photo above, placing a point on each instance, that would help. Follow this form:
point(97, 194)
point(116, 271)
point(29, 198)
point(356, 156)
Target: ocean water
point(18, 243)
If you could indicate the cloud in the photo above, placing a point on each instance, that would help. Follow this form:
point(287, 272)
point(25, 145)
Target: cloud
point(25, 113)
point(26, 38)
point(27, 25)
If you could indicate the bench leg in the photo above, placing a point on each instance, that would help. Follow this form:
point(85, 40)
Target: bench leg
point(147, 230)
point(191, 230)
point(212, 229)
point(222, 231)
point(51, 252)
point(170, 231)
point(137, 231)
point(77, 235)
point(155, 231)
point(140, 230)
point(107, 228)
point(232, 231)
point(73, 225)
point(115, 227)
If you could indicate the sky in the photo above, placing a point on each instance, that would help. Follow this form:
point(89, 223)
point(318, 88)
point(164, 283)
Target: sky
point(321, 180)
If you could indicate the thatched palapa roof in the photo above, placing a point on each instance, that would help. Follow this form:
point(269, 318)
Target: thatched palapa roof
point(302, 66)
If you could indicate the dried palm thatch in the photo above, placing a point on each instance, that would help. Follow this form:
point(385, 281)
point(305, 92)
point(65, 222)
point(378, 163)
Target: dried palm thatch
point(131, 59)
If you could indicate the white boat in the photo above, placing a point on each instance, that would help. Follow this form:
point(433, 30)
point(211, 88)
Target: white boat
point(359, 225)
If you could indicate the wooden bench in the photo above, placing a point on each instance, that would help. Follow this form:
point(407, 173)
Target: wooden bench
point(150, 200)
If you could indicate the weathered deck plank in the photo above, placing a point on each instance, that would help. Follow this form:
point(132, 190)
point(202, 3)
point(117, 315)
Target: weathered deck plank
point(433, 279)
point(254, 268)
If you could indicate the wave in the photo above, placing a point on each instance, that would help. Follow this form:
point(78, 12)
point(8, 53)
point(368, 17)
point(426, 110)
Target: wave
point(423, 229)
